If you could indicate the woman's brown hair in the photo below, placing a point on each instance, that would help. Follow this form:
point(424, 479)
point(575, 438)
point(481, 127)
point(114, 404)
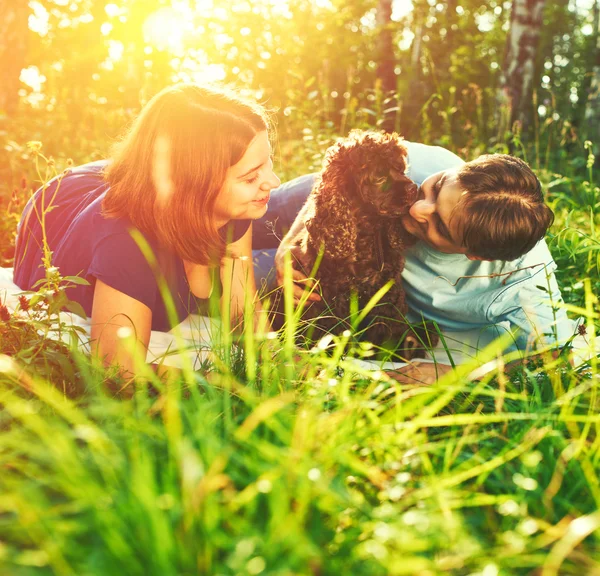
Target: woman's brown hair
point(167, 172)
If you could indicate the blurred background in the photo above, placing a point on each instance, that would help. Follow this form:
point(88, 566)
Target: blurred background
point(472, 76)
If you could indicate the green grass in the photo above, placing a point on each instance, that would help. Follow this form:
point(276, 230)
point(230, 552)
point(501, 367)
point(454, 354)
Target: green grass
point(281, 461)
point(320, 469)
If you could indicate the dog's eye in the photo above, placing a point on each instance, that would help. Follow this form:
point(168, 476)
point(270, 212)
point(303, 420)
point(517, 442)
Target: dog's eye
point(386, 184)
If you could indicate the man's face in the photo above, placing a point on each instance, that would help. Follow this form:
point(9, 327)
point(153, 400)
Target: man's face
point(433, 218)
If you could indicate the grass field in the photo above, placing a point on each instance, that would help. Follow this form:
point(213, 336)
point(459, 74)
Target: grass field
point(281, 461)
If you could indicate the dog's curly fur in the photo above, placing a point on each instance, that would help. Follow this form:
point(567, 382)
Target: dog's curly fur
point(354, 217)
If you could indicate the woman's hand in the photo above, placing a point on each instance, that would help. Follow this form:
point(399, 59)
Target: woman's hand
point(301, 282)
point(419, 373)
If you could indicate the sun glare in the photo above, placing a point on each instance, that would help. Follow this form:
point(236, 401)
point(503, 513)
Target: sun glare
point(401, 8)
point(166, 28)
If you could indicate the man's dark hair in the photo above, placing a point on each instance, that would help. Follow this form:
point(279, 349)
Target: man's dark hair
point(503, 214)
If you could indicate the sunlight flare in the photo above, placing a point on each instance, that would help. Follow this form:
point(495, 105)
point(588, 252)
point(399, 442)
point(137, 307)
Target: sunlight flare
point(166, 28)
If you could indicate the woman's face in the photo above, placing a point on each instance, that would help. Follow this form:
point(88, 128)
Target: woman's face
point(248, 184)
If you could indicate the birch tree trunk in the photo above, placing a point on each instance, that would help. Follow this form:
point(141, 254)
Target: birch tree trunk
point(519, 66)
point(13, 49)
point(387, 61)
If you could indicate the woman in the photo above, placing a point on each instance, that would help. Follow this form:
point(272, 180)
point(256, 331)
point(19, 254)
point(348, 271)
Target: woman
point(177, 197)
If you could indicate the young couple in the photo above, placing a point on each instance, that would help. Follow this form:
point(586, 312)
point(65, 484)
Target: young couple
point(194, 176)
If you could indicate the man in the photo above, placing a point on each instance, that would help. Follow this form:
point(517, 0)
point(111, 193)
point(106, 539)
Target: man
point(480, 264)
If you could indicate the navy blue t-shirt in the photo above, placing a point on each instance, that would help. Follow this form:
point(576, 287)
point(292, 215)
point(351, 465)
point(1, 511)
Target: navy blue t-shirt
point(87, 244)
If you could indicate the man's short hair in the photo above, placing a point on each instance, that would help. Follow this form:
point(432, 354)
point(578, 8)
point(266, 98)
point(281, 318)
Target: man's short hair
point(503, 214)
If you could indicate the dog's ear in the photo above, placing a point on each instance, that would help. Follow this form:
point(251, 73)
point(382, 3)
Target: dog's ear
point(335, 229)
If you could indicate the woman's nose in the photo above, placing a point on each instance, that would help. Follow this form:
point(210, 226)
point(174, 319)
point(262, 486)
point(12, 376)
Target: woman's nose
point(422, 210)
point(272, 182)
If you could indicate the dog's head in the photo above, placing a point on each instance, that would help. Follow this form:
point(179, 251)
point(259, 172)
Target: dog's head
point(368, 169)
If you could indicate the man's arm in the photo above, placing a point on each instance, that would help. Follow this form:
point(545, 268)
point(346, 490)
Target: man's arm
point(533, 304)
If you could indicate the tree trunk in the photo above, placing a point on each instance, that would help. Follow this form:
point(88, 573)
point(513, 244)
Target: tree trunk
point(386, 56)
point(414, 97)
point(14, 32)
point(519, 66)
point(387, 61)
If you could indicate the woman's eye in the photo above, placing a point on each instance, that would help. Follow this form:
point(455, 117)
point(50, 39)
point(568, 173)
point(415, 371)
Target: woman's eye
point(252, 180)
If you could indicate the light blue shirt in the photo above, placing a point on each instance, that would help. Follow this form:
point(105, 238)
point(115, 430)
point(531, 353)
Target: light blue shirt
point(462, 294)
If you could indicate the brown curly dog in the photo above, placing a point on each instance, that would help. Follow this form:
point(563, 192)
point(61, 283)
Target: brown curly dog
point(354, 219)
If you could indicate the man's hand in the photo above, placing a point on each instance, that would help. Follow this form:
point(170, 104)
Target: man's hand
point(301, 282)
point(419, 373)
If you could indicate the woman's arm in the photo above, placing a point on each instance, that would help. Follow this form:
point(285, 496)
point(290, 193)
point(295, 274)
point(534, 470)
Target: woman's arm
point(113, 310)
point(238, 270)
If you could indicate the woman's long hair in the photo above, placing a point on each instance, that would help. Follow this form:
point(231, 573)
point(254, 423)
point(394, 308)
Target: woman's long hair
point(167, 172)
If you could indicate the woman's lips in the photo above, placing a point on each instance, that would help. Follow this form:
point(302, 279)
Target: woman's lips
point(264, 200)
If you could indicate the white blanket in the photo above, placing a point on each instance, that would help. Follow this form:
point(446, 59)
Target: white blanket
point(189, 343)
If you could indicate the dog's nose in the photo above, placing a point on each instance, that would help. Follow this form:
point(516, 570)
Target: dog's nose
point(415, 192)
point(402, 196)
point(410, 195)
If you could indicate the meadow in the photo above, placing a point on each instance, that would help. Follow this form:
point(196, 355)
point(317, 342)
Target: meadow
point(281, 459)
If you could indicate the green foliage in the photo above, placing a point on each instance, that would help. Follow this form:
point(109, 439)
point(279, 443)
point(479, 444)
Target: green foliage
point(312, 61)
point(40, 339)
point(575, 242)
point(324, 469)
